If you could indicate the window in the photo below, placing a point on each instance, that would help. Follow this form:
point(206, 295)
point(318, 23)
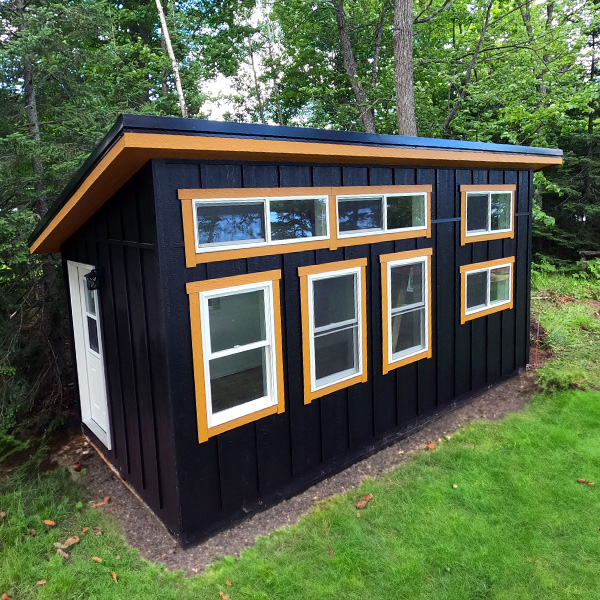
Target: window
point(406, 307)
point(487, 212)
point(236, 339)
point(333, 301)
point(243, 222)
point(366, 214)
point(486, 288)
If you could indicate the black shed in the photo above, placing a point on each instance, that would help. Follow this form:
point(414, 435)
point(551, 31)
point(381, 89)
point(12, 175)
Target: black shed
point(257, 307)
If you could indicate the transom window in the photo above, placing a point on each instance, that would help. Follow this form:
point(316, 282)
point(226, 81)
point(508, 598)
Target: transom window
point(334, 326)
point(366, 214)
point(486, 287)
point(236, 357)
point(243, 222)
point(488, 212)
point(406, 310)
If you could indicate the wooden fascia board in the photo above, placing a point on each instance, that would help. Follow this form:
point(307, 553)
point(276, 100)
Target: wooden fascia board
point(133, 150)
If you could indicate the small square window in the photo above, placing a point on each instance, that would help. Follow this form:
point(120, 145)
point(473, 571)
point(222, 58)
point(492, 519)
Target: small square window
point(486, 288)
point(487, 212)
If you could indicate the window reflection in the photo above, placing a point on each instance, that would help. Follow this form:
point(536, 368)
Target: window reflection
point(222, 223)
point(293, 219)
point(359, 214)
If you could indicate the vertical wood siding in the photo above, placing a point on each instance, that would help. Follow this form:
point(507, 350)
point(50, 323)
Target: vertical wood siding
point(121, 240)
point(244, 469)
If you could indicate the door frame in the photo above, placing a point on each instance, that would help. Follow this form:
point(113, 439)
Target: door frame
point(80, 350)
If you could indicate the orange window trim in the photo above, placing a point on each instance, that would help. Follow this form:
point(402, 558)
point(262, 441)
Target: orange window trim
point(463, 288)
point(193, 258)
point(303, 273)
point(485, 237)
point(193, 290)
point(428, 353)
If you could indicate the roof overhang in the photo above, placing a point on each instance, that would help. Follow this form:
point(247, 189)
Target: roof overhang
point(136, 139)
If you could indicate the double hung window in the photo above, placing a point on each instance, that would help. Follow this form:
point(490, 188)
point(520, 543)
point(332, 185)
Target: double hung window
point(237, 353)
point(487, 287)
point(244, 222)
point(406, 307)
point(487, 212)
point(366, 214)
point(333, 301)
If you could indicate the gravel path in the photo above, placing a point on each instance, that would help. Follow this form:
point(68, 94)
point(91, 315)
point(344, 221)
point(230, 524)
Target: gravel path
point(144, 531)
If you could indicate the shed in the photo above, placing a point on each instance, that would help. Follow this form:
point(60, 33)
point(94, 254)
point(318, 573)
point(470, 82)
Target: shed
point(256, 307)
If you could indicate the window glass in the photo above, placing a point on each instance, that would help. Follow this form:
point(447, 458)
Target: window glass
point(500, 284)
point(477, 289)
point(408, 331)
point(360, 214)
point(406, 211)
point(220, 223)
point(334, 300)
point(500, 208)
point(236, 320)
point(336, 352)
point(237, 379)
point(477, 212)
point(406, 284)
point(90, 299)
point(93, 334)
point(293, 219)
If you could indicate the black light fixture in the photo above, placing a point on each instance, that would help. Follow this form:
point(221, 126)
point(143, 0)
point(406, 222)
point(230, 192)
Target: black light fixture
point(93, 279)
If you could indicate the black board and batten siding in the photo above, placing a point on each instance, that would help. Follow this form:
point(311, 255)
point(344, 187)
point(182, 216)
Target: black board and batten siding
point(121, 240)
point(245, 469)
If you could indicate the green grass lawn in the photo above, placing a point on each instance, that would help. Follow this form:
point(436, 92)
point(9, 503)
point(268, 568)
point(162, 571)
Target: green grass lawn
point(517, 525)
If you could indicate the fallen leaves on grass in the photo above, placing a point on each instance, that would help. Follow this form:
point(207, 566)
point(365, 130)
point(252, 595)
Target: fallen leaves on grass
point(41, 582)
point(6, 597)
point(114, 576)
point(62, 553)
point(431, 446)
point(2, 514)
point(585, 481)
point(454, 485)
point(228, 583)
point(71, 540)
point(32, 532)
point(364, 501)
point(49, 523)
point(85, 529)
point(59, 545)
point(77, 467)
point(97, 531)
point(96, 559)
point(224, 596)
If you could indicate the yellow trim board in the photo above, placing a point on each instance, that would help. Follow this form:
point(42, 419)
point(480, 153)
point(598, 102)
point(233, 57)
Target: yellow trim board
point(485, 237)
point(133, 150)
point(303, 273)
point(464, 269)
point(384, 260)
point(193, 289)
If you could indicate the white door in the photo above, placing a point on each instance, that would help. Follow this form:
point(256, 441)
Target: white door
point(87, 332)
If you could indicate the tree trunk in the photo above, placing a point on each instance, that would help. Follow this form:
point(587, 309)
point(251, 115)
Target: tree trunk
point(261, 110)
point(403, 67)
point(367, 116)
point(167, 38)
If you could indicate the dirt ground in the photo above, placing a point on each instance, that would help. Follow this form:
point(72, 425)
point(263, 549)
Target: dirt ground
point(144, 531)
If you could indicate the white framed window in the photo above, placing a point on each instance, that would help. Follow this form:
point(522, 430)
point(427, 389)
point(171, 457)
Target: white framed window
point(368, 214)
point(333, 326)
point(236, 338)
point(406, 307)
point(487, 212)
point(222, 223)
point(486, 288)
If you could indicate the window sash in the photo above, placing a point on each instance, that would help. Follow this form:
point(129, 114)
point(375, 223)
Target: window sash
point(246, 408)
point(489, 230)
point(488, 303)
point(384, 216)
point(413, 307)
point(267, 240)
point(331, 328)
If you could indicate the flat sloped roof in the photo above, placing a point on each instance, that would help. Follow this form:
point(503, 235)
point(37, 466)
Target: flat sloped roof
point(135, 139)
